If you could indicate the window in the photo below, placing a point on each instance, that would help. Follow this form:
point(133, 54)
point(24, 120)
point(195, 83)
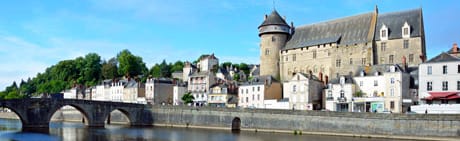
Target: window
point(392, 80)
point(246, 91)
point(392, 92)
point(406, 31)
point(376, 83)
point(363, 61)
point(253, 89)
point(258, 88)
point(314, 54)
point(342, 93)
point(293, 57)
point(390, 59)
point(458, 85)
point(253, 98)
point(361, 83)
point(337, 63)
point(429, 86)
point(411, 58)
point(383, 33)
point(273, 38)
point(242, 91)
point(242, 100)
point(444, 69)
point(383, 46)
point(392, 104)
point(429, 70)
point(247, 99)
point(458, 69)
point(329, 93)
point(351, 61)
point(258, 97)
point(293, 88)
point(444, 85)
point(406, 44)
point(286, 59)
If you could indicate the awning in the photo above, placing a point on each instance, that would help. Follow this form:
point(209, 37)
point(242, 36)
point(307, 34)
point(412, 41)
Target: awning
point(442, 95)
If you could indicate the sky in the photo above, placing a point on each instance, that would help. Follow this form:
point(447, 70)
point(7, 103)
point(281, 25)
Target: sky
point(37, 34)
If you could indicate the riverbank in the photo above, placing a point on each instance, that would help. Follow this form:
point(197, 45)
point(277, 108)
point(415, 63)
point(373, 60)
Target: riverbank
point(366, 125)
point(299, 133)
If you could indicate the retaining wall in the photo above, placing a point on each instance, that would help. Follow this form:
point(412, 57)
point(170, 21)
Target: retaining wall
point(313, 121)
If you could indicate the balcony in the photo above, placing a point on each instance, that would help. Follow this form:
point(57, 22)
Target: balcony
point(329, 98)
point(342, 99)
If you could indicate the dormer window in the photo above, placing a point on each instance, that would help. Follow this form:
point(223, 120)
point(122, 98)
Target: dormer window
point(405, 30)
point(342, 80)
point(384, 32)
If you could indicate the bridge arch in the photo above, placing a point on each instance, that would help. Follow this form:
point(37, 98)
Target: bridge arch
point(83, 112)
point(15, 111)
point(124, 112)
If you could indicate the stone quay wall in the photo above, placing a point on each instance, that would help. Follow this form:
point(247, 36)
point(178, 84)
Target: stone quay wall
point(310, 121)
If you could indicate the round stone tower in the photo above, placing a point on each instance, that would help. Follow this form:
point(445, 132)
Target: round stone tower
point(273, 33)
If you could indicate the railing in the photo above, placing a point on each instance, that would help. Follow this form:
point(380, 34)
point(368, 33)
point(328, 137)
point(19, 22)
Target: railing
point(329, 98)
point(436, 108)
point(342, 99)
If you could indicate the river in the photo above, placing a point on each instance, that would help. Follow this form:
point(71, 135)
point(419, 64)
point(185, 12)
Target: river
point(74, 131)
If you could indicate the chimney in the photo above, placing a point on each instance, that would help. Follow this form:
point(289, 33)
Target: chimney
point(455, 48)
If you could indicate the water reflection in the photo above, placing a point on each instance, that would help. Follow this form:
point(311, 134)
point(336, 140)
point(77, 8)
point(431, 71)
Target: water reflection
point(74, 131)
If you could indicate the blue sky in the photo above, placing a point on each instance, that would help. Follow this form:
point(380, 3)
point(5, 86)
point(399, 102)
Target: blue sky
point(37, 34)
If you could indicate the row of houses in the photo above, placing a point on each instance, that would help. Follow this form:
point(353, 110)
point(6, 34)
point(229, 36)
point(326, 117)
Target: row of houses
point(432, 87)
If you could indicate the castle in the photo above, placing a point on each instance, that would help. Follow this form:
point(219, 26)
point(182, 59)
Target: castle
point(341, 46)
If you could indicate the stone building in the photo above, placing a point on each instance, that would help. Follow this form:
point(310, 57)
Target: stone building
point(304, 92)
point(340, 45)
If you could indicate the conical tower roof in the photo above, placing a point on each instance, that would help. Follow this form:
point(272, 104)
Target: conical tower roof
point(274, 19)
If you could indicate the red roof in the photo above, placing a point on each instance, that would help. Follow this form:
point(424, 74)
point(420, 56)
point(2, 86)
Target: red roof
point(442, 95)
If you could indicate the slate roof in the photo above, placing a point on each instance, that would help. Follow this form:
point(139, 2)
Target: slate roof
point(395, 21)
point(348, 80)
point(274, 19)
point(443, 57)
point(259, 80)
point(378, 68)
point(343, 31)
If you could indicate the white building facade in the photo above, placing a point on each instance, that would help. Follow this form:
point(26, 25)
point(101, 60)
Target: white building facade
point(439, 85)
point(303, 91)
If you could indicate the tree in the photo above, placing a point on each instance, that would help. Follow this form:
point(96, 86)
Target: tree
point(155, 71)
point(187, 98)
point(165, 69)
point(109, 69)
point(236, 77)
point(130, 65)
point(91, 71)
point(177, 66)
point(226, 64)
point(244, 67)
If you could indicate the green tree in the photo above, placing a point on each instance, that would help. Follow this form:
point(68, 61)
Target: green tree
point(109, 69)
point(165, 69)
point(226, 64)
point(155, 71)
point(244, 67)
point(91, 71)
point(177, 66)
point(188, 98)
point(130, 65)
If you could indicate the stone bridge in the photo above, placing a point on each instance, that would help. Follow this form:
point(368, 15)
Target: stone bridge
point(36, 113)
